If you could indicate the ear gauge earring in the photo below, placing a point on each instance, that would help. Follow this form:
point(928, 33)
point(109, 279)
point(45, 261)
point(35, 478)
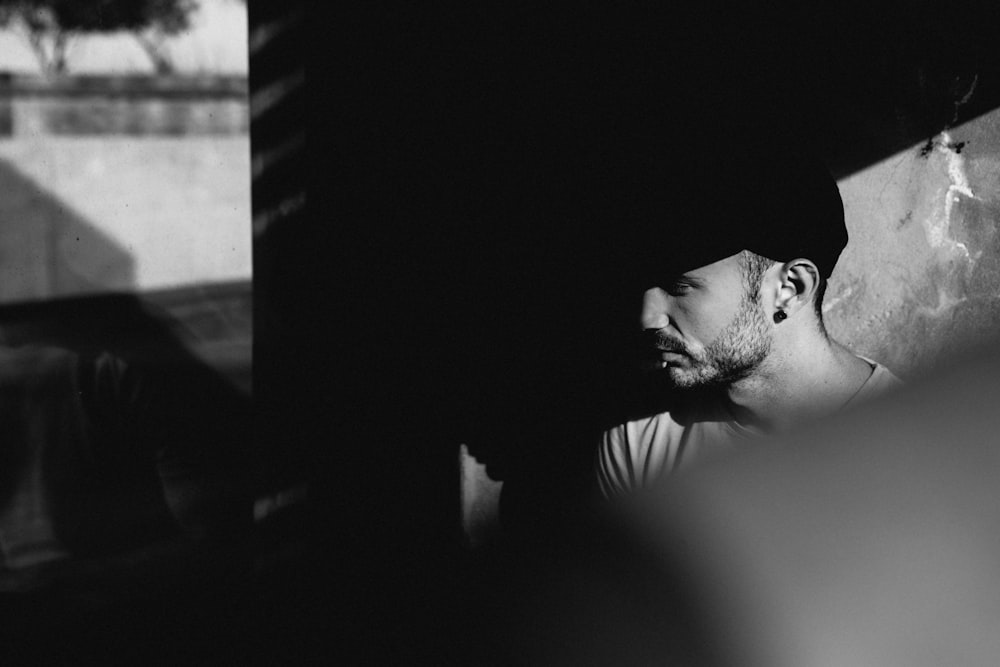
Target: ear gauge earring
point(780, 316)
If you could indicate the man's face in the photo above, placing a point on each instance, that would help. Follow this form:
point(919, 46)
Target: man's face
point(707, 329)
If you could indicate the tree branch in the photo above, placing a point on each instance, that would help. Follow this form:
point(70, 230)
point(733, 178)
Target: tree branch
point(157, 53)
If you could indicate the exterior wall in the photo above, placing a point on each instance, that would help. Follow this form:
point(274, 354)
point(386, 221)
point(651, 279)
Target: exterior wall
point(102, 115)
point(117, 184)
point(920, 277)
point(123, 105)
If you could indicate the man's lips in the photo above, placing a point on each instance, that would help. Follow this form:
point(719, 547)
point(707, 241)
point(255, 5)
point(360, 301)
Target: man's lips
point(670, 358)
point(666, 347)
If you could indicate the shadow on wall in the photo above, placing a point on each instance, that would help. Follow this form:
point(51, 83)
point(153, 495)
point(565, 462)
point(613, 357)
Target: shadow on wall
point(95, 545)
point(48, 250)
point(112, 550)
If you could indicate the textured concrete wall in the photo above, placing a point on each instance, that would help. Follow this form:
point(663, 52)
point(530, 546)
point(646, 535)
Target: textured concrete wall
point(84, 215)
point(123, 105)
point(122, 183)
point(920, 278)
point(102, 115)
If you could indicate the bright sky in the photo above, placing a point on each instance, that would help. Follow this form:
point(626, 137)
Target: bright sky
point(216, 43)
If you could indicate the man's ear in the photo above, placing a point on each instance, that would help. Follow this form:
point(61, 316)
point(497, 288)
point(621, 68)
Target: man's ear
point(799, 279)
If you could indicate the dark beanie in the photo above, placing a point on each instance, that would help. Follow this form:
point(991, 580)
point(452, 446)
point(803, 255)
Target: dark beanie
point(713, 199)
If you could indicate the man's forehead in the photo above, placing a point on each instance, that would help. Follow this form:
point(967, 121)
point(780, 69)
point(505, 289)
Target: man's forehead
point(723, 267)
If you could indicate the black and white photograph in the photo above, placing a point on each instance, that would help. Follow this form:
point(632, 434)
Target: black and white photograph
point(499, 334)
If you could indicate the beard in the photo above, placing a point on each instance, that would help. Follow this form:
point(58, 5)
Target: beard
point(739, 349)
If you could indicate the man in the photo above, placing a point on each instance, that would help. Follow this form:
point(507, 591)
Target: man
point(732, 308)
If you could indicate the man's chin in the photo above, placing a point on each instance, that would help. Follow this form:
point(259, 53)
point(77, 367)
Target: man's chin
point(683, 378)
point(694, 377)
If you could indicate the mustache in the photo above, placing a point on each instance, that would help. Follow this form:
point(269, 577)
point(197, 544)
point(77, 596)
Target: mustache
point(664, 342)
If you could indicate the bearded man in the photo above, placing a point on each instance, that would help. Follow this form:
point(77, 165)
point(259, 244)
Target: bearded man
point(732, 309)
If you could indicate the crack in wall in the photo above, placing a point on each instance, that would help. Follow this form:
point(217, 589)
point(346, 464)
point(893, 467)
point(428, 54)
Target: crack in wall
point(832, 303)
point(965, 99)
point(946, 303)
point(938, 227)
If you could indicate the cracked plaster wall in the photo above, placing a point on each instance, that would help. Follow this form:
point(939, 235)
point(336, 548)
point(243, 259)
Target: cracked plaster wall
point(920, 277)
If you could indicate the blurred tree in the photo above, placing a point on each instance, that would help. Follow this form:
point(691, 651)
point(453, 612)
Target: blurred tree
point(51, 24)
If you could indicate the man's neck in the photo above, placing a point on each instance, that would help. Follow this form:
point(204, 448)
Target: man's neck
point(811, 378)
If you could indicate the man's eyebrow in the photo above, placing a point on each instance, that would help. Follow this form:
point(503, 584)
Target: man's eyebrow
point(694, 281)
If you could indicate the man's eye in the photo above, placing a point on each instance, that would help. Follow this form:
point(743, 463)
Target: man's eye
point(678, 289)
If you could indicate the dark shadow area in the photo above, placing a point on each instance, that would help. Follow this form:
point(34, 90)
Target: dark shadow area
point(859, 85)
point(208, 325)
point(297, 401)
point(459, 275)
point(146, 474)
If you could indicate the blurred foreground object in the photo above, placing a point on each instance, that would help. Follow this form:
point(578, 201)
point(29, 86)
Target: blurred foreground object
point(870, 541)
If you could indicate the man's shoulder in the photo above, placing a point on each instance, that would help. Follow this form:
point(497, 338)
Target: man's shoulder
point(642, 449)
point(634, 451)
point(671, 409)
point(644, 427)
point(669, 418)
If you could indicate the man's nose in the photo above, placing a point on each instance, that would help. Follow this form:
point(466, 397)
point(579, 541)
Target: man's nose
point(655, 309)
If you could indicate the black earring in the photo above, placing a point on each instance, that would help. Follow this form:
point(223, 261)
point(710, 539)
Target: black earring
point(780, 317)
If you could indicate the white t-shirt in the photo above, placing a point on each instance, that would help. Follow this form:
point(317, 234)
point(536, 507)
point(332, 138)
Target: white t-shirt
point(634, 454)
